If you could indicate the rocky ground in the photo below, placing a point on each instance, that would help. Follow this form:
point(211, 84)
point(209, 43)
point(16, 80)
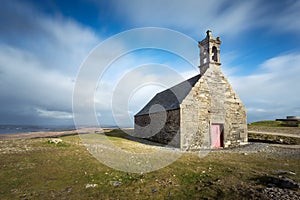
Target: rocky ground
point(289, 151)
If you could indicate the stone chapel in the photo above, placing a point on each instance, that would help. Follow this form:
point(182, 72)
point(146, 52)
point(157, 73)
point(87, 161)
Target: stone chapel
point(202, 112)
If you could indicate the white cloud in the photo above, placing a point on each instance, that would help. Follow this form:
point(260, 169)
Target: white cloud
point(24, 80)
point(67, 43)
point(54, 114)
point(224, 17)
point(39, 58)
point(273, 91)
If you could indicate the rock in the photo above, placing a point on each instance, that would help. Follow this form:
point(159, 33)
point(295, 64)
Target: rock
point(55, 141)
point(154, 190)
point(209, 183)
point(281, 140)
point(91, 185)
point(283, 182)
point(115, 183)
point(286, 172)
point(289, 183)
point(271, 185)
point(278, 193)
point(68, 189)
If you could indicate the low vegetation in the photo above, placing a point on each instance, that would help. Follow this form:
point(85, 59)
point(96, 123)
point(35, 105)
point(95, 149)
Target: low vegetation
point(273, 126)
point(267, 123)
point(39, 169)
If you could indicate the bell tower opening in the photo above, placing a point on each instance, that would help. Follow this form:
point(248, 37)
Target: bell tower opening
point(214, 54)
point(209, 52)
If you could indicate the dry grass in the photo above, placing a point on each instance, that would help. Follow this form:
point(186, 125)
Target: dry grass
point(35, 169)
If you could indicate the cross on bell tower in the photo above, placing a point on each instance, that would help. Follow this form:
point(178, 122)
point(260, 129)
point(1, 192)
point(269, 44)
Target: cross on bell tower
point(209, 52)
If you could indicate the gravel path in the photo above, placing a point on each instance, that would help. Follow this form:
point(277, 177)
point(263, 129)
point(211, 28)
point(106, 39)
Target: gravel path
point(291, 151)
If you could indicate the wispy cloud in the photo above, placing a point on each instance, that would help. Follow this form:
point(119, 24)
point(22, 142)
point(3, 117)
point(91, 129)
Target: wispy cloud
point(54, 114)
point(225, 17)
point(193, 16)
point(271, 92)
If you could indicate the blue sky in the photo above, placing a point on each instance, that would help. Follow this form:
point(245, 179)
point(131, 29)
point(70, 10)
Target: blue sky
point(44, 43)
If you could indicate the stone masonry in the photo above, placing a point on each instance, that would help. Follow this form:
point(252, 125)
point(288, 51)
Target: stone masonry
point(212, 100)
point(165, 127)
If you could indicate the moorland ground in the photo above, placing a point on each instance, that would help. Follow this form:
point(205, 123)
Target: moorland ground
point(35, 168)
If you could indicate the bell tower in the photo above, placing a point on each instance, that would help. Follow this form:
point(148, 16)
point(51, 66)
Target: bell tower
point(209, 52)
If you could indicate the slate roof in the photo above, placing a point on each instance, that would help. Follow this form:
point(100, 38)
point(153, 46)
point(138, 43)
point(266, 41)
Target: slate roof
point(170, 98)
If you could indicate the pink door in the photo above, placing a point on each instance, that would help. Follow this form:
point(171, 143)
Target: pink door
point(216, 136)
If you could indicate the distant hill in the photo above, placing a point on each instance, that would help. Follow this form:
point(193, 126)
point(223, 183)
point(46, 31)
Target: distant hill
point(267, 123)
